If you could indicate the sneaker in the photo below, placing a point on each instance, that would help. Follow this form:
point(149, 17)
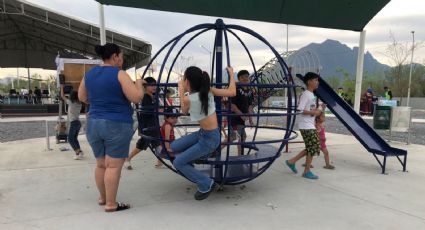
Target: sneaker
point(310, 175)
point(158, 150)
point(204, 195)
point(292, 167)
point(78, 157)
point(127, 165)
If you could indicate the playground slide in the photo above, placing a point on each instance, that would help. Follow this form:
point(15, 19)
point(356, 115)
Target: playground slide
point(357, 126)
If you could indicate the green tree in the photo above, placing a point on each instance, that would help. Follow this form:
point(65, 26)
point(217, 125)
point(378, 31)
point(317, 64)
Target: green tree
point(348, 83)
point(373, 81)
point(334, 82)
point(398, 54)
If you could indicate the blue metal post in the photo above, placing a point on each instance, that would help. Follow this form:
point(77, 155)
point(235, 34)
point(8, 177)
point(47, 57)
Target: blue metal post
point(219, 79)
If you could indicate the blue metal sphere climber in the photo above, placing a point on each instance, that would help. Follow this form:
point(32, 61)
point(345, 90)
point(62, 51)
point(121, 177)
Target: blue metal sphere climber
point(226, 168)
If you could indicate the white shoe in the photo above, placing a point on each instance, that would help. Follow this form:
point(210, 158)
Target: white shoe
point(78, 157)
point(127, 165)
point(82, 154)
point(158, 150)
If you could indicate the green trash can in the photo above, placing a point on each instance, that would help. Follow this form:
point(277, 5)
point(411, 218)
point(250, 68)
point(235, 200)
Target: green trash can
point(382, 117)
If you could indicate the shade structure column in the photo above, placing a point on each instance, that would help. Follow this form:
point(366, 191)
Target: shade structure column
point(102, 25)
point(359, 72)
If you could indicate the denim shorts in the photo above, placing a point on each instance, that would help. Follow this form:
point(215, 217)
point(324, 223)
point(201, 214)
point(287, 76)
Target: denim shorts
point(109, 137)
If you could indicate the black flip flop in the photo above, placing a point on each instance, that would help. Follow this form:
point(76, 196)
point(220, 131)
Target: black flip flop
point(120, 207)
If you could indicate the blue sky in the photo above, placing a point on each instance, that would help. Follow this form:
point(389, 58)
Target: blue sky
point(399, 16)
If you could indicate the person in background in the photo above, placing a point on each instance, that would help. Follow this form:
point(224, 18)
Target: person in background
point(366, 102)
point(147, 123)
point(74, 110)
point(37, 94)
point(241, 104)
point(388, 95)
point(342, 94)
point(169, 101)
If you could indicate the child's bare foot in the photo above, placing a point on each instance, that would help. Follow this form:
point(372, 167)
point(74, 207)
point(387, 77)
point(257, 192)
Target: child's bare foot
point(329, 167)
point(159, 166)
point(101, 201)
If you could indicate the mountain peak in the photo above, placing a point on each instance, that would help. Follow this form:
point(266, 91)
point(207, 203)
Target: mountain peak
point(334, 55)
point(331, 42)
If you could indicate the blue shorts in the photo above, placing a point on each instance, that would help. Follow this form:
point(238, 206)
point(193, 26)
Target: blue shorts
point(109, 137)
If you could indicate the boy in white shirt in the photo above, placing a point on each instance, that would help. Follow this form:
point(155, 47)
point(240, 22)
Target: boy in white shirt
point(306, 124)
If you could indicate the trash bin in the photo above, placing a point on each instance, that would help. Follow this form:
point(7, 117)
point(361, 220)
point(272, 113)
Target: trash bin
point(400, 119)
point(382, 117)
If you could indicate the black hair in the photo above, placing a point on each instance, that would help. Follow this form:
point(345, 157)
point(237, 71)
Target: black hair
point(309, 76)
point(243, 72)
point(171, 112)
point(340, 88)
point(199, 81)
point(73, 96)
point(150, 80)
point(107, 50)
point(385, 87)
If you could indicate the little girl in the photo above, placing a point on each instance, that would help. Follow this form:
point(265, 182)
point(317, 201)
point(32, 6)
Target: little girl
point(201, 106)
point(320, 126)
point(74, 109)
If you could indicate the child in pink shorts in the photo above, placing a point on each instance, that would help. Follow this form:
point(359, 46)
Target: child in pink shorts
point(320, 126)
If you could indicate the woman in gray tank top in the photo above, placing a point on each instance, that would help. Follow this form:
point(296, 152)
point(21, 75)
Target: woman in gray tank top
point(200, 104)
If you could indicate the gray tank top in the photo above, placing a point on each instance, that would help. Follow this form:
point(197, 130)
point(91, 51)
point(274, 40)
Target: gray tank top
point(74, 110)
point(195, 107)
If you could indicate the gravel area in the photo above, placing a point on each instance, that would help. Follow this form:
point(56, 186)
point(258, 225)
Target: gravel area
point(333, 125)
point(418, 114)
point(11, 131)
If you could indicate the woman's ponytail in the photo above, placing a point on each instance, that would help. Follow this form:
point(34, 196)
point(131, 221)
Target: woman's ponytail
point(199, 82)
point(204, 91)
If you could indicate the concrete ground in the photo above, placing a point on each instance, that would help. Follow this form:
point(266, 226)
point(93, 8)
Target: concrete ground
point(49, 190)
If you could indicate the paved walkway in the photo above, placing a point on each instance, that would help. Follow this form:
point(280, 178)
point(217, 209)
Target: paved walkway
point(48, 190)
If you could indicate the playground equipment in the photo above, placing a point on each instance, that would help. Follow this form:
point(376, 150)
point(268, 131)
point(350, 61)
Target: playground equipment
point(223, 165)
point(372, 141)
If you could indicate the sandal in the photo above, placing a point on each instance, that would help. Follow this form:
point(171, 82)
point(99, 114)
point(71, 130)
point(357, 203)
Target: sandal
point(120, 207)
point(329, 167)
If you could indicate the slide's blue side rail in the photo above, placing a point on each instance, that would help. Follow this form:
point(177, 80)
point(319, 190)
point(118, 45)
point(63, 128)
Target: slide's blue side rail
point(367, 136)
